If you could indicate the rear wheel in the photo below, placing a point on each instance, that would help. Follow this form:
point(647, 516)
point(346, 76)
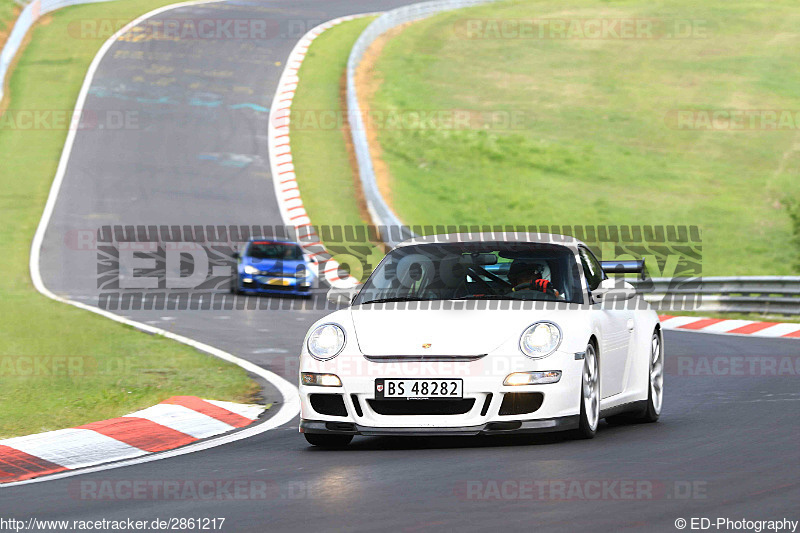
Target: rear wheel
point(655, 395)
point(327, 440)
point(590, 395)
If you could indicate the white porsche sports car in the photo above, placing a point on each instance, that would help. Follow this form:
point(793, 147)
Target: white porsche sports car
point(488, 333)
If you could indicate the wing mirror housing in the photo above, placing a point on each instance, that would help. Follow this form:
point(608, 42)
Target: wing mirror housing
point(342, 296)
point(611, 290)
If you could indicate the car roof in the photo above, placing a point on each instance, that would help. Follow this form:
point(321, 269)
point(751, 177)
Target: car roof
point(499, 236)
point(268, 239)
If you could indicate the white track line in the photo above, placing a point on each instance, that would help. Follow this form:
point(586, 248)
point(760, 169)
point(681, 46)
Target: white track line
point(289, 407)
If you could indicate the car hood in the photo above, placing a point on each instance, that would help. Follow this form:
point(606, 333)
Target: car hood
point(404, 332)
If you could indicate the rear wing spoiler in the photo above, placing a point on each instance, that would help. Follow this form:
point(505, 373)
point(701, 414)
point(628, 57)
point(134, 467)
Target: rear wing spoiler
point(624, 267)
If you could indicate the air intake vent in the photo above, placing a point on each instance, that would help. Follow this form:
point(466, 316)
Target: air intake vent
point(521, 403)
point(422, 407)
point(328, 404)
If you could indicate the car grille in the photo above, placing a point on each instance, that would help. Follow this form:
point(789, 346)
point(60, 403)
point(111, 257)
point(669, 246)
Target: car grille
point(421, 407)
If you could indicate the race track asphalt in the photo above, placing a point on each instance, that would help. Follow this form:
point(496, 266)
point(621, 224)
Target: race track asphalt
point(726, 446)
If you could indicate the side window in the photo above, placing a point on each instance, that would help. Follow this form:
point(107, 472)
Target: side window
point(591, 269)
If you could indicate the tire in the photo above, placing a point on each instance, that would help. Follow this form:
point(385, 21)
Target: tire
point(590, 395)
point(235, 286)
point(655, 388)
point(328, 440)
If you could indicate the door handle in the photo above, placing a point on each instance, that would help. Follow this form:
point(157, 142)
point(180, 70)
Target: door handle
point(630, 324)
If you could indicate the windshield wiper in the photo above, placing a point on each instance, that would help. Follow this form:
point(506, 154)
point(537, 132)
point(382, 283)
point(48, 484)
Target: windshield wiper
point(485, 297)
point(396, 299)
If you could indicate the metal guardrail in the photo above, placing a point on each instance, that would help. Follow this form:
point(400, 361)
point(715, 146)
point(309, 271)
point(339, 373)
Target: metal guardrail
point(29, 15)
point(380, 212)
point(776, 295)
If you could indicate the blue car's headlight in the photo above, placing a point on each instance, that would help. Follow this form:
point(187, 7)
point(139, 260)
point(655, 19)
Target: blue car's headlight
point(301, 272)
point(251, 270)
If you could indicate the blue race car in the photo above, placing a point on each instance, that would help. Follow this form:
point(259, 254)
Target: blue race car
point(272, 267)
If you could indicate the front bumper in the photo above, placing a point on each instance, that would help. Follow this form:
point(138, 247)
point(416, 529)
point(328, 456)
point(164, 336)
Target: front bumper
point(490, 428)
point(248, 284)
point(483, 408)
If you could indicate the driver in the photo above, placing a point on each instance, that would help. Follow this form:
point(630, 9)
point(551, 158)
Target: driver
point(527, 275)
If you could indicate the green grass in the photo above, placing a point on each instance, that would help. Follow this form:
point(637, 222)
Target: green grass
point(8, 14)
point(594, 144)
point(324, 173)
point(113, 369)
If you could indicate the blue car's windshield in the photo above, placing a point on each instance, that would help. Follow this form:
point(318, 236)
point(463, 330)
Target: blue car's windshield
point(274, 250)
point(476, 271)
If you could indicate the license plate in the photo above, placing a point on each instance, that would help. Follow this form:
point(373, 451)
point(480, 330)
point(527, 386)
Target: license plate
point(278, 281)
point(418, 389)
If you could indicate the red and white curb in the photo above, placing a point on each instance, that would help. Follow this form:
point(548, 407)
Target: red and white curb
point(732, 327)
point(284, 178)
point(173, 423)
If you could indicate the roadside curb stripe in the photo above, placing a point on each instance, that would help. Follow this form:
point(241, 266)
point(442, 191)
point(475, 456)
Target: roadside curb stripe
point(177, 422)
point(16, 465)
point(730, 326)
point(290, 201)
point(141, 433)
point(209, 409)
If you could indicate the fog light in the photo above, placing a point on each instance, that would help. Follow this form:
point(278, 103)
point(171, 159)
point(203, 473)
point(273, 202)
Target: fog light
point(320, 380)
point(533, 378)
point(247, 280)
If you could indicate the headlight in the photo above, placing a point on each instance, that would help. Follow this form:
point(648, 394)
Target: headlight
point(326, 341)
point(301, 272)
point(540, 339)
point(250, 270)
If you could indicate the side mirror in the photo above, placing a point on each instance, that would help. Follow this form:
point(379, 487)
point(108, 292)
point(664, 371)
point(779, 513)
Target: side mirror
point(611, 290)
point(342, 296)
point(235, 255)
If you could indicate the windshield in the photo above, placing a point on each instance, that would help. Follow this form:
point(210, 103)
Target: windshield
point(274, 250)
point(475, 271)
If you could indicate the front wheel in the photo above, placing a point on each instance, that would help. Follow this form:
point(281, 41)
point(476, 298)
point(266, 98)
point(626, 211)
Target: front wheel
point(590, 395)
point(325, 440)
